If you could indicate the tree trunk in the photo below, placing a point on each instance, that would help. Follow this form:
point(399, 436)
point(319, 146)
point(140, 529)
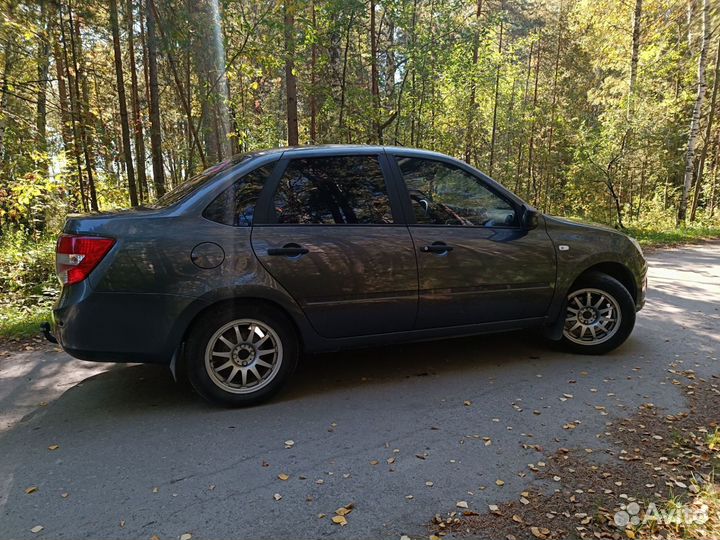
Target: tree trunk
point(212, 142)
point(493, 135)
point(374, 82)
point(209, 56)
point(695, 120)
point(716, 158)
point(472, 105)
point(518, 173)
point(154, 104)
point(43, 65)
point(313, 77)
point(290, 78)
point(124, 125)
point(74, 111)
point(135, 101)
point(530, 169)
point(708, 133)
point(637, 15)
point(343, 79)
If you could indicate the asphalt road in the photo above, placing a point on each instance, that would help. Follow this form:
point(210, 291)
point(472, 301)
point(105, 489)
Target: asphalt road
point(139, 456)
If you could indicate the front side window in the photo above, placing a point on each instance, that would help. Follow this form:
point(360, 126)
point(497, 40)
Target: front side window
point(333, 190)
point(236, 205)
point(443, 194)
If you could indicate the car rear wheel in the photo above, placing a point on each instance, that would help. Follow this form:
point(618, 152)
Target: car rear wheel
point(600, 315)
point(241, 354)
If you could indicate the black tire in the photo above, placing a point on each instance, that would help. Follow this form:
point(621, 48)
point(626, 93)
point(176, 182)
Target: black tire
point(204, 330)
point(622, 299)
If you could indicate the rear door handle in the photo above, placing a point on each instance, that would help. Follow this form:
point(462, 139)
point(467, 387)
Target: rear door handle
point(288, 250)
point(436, 247)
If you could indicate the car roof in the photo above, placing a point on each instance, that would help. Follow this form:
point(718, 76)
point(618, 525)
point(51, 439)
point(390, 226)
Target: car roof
point(321, 149)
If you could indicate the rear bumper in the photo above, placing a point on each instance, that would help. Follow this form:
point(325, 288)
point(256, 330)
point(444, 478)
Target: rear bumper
point(120, 327)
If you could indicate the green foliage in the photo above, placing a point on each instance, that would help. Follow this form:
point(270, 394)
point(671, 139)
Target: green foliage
point(27, 266)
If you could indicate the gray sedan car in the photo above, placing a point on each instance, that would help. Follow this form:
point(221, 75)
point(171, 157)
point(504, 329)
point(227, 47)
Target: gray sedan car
point(232, 275)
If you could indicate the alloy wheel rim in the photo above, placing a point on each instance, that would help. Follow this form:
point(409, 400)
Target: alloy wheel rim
point(243, 356)
point(593, 317)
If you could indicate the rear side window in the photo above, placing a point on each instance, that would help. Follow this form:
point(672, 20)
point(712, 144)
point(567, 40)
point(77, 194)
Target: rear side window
point(333, 190)
point(236, 205)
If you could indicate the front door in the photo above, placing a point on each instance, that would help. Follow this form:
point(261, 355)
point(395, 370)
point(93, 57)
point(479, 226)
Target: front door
point(476, 263)
point(333, 242)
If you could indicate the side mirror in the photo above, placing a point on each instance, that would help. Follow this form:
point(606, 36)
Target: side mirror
point(530, 218)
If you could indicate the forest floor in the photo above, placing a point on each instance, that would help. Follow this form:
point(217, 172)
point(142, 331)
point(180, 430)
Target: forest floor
point(502, 436)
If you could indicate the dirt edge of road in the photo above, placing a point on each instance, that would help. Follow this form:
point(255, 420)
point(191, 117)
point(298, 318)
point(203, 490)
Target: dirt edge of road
point(656, 479)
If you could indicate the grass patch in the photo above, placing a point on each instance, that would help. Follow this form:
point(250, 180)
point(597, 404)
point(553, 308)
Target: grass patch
point(671, 236)
point(20, 323)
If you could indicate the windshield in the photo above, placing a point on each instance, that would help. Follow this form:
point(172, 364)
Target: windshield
point(178, 193)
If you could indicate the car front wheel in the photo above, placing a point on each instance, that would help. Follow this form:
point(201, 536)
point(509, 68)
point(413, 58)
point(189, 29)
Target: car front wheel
point(241, 354)
point(600, 315)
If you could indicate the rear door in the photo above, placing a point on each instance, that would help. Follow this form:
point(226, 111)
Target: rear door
point(476, 264)
point(335, 241)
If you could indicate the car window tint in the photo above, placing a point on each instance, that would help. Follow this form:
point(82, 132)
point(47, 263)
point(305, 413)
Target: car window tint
point(337, 189)
point(236, 205)
point(444, 194)
point(183, 190)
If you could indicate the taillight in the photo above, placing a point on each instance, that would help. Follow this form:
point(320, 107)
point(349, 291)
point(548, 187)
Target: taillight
point(77, 256)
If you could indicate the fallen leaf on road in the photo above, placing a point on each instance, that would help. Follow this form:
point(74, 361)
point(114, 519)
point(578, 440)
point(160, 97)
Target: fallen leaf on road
point(289, 444)
point(467, 402)
point(65, 495)
point(517, 519)
point(31, 489)
point(277, 496)
point(461, 504)
point(340, 520)
point(344, 510)
point(494, 508)
point(429, 483)
point(36, 529)
point(283, 476)
point(374, 462)
point(539, 532)
point(500, 482)
point(186, 536)
point(53, 447)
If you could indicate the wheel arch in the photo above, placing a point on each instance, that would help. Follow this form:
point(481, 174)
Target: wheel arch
point(615, 270)
point(217, 299)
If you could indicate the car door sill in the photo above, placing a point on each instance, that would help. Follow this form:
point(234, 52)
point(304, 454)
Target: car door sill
point(425, 334)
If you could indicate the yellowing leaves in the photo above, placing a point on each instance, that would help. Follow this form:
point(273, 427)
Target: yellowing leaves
point(339, 517)
point(284, 477)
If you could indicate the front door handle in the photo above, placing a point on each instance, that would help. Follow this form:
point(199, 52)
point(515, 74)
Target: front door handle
point(436, 247)
point(288, 250)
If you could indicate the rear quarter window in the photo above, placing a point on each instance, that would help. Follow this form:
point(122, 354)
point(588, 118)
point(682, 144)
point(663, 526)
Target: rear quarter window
point(236, 205)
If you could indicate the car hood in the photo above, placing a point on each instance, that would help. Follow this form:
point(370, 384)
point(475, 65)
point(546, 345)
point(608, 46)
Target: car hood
point(582, 224)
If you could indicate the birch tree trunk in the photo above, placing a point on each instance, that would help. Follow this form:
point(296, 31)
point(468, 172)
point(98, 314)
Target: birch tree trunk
point(708, 133)
point(695, 120)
